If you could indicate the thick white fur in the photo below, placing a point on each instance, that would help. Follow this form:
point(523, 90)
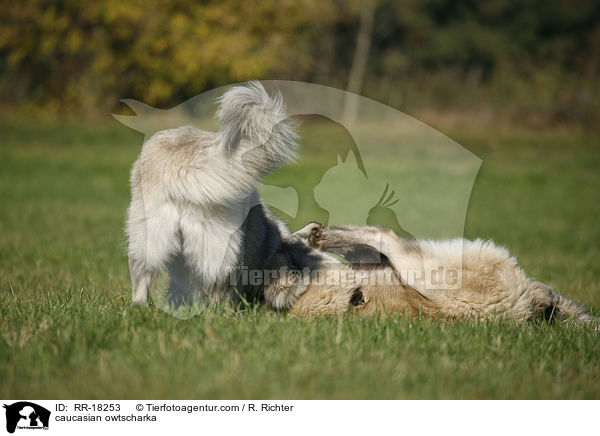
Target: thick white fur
point(191, 191)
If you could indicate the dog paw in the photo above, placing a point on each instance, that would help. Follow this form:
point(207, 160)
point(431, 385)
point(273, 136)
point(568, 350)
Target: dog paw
point(294, 276)
point(285, 289)
point(312, 233)
point(316, 238)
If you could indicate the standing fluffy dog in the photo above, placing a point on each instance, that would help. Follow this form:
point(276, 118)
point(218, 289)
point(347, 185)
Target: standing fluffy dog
point(195, 209)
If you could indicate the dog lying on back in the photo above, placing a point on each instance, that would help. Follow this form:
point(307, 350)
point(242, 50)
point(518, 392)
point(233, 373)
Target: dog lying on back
point(195, 209)
point(487, 281)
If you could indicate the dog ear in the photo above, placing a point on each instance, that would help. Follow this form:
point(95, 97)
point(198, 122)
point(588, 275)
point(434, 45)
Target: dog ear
point(357, 299)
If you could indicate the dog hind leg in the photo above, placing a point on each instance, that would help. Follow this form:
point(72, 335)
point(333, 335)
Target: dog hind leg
point(152, 241)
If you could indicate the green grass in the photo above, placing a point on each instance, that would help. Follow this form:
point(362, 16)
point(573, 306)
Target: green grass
point(68, 330)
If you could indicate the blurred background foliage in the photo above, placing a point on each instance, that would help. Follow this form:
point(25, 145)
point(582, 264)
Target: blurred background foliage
point(535, 62)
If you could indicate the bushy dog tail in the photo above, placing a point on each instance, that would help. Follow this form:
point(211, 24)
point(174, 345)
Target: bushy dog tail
point(248, 112)
point(560, 308)
point(567, 310)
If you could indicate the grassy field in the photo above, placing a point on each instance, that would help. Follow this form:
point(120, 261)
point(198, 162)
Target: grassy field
point(68, 330)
